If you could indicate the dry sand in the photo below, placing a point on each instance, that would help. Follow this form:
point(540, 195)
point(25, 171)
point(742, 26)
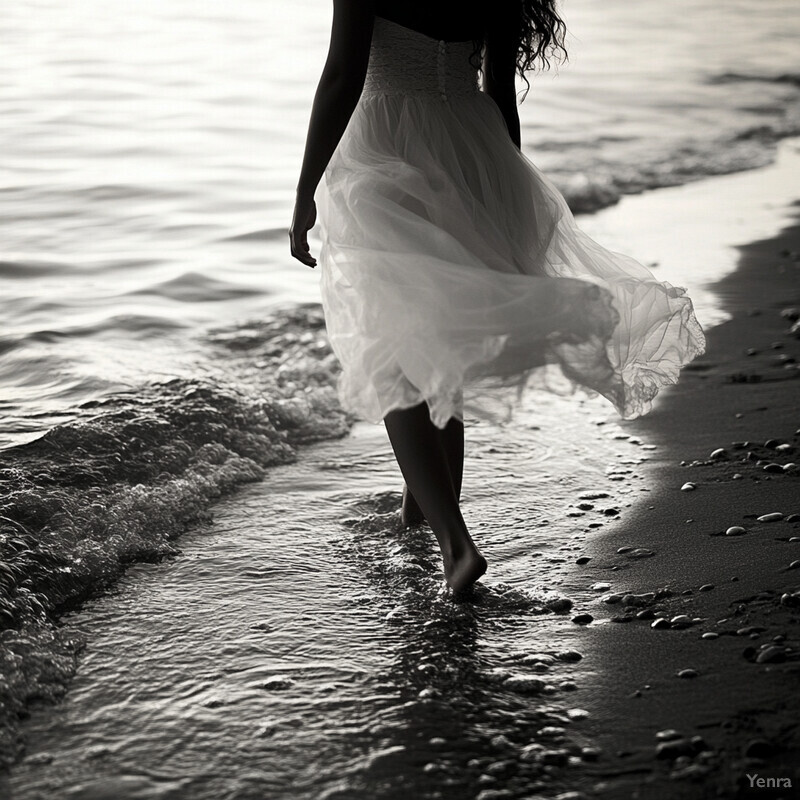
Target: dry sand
point(739, 587)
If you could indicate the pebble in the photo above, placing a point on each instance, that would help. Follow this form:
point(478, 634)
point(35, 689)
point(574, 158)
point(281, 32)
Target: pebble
point(687, 673)
point(792, 600)
point(593, 495)
point(524, 684)
point(638, 599)
point(660, 623)
point(773, 517)
point(719, 454)
point(793, 518)
point(773, 467)
point(640, 552)
point(674, 748)
point(668, 734)
point(771, 655)
point(590, 753)
point(539, 658)
point(688, 487)
point(710, 635)
point(737, 476)
point(735, 530)
point(758, 748)
point(681, 621)
point(784, 448)
point(706, 587)
point(493, 794)
point(624, 549)
point(583, 559)
point(612, 598)
point(790, 468)
point(585, 506)
point(771, 444)
point(554, 731)
point(794, 565)
point(600, 587)
point(748, 630)
point(569, 655)
point(582, 619)
point(645, 613)
point(577, 713)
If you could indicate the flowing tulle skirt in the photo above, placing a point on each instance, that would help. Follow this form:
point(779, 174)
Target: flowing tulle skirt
point(450, 263)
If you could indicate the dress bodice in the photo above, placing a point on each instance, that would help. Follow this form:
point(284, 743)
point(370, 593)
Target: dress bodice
point(405, 61)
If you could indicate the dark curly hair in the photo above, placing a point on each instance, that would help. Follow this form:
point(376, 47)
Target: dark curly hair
point(540, 36)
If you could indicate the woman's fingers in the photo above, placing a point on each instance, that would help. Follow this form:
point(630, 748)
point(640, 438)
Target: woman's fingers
point(301, 250)
point(304, 218)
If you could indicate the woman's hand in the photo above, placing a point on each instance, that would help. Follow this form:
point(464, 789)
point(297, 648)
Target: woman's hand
point(305, 215)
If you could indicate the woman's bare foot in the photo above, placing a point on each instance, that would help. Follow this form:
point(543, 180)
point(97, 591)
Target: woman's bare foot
point(463, 570)
point(411, 514)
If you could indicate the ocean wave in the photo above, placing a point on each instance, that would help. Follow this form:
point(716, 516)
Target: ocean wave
point(135, 470)
point(678, 163)
point(793, 79)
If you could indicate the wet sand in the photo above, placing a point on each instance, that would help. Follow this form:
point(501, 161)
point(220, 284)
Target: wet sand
point(735, 579)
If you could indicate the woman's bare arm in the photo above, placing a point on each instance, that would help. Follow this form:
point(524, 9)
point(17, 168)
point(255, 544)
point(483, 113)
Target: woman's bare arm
point(499, 70)
point(337, 94)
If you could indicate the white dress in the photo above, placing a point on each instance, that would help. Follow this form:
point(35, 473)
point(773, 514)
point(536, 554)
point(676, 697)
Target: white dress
point(450, 262)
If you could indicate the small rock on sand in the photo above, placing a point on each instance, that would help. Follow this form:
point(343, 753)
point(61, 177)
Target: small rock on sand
point(524, 684)
point(582, 619)
point(710, 635)
point(791, 599)
point(758, 748)
point(719, 454)
point(640, 552)
point(771, 655)
point(688, 487)
point(775, 516)
point(735, 530)
point(569, 656)
point(674, 749)
point(687, 673)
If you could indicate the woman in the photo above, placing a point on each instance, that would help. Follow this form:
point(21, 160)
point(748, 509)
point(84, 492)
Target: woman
point(450, 262)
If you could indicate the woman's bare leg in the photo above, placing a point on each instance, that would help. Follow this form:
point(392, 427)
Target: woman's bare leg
point(421, 454)
point(452, 439)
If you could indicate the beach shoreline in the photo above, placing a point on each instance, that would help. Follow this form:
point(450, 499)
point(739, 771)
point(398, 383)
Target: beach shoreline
point(717, 430)
point(749, 702)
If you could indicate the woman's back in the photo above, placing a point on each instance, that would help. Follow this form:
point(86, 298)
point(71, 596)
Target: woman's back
point(447, 20)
